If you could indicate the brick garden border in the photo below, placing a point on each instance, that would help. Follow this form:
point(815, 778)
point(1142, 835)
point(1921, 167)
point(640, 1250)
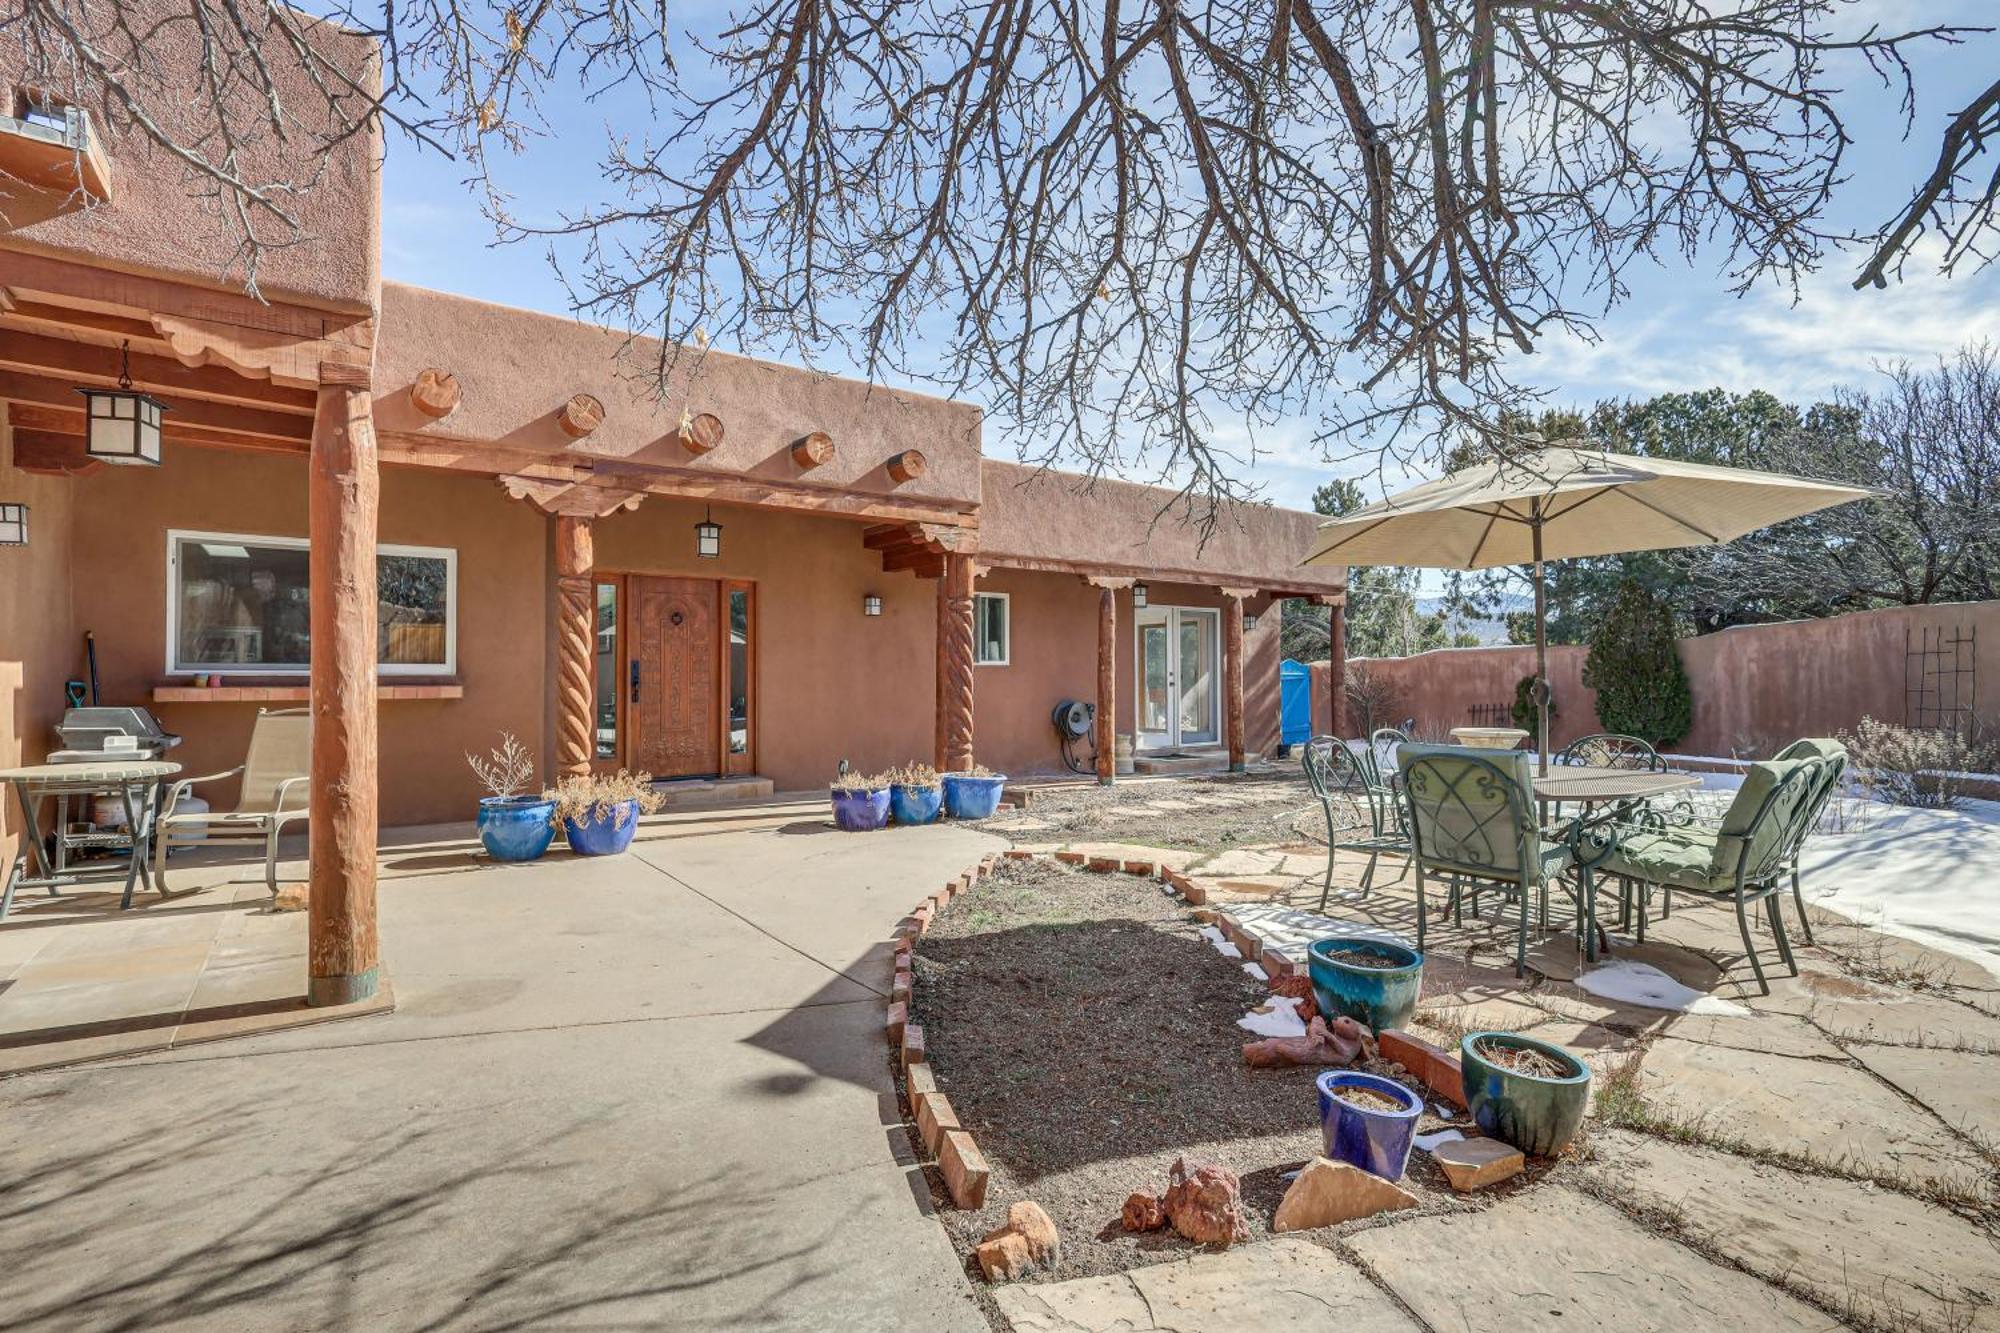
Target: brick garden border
point(950, 1145)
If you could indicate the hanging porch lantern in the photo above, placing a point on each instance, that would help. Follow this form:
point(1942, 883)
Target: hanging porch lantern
point(708, 536)
point(1139, 597)
point(122, 424)
point(871, 605)
point(13, 524)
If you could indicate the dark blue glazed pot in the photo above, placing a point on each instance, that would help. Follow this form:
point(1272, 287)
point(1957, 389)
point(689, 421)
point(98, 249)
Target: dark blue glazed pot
point(1537, 1115)
point(516, 828)
point(1376, 1141)
point(860, 811)
point(967, 797)
point(1378, 998)
point(607, 832)
point(914, 805)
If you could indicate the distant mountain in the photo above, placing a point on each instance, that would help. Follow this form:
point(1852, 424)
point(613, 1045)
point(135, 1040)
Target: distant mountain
point(1488, 629)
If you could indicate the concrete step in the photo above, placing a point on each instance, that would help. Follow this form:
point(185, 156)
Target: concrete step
point(702, 793)
point(1189, 761)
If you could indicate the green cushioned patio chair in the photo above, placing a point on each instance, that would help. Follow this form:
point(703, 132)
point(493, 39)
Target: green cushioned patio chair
point(1814, 747)
point(1742, 861)
point(1335, 770)
point(1471, 816)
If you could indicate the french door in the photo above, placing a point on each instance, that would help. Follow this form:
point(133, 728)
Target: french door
point(1180, 667)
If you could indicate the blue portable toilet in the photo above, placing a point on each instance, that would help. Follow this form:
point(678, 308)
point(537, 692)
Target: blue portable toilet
point(1295, 714)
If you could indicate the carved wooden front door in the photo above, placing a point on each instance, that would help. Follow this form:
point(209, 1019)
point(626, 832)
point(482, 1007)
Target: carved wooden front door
point(671, 677)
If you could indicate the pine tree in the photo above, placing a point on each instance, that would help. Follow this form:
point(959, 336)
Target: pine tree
point(1636, 670)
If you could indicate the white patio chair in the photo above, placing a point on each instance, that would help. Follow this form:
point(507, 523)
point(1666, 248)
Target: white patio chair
point(273, 794)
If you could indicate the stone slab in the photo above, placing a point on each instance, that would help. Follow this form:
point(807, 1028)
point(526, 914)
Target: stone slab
point(1278, 1284)
point(1553, 1258)
point(1881, 1251)
point(1963, 1090)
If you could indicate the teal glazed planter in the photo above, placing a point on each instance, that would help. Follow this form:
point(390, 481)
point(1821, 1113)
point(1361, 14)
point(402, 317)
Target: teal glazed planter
point(1376, 1141)
point(967, 797)
point(516, 828)
point(607, 832)
point(1378, 998)
point(914, 805)
point(1537, 1115)
point(860, 811)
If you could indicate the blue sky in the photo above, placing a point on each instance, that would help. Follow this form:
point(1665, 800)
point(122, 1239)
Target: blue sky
point(1680, 328)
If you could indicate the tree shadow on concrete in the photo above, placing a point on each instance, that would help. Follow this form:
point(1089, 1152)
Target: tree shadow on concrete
point(119, 1237)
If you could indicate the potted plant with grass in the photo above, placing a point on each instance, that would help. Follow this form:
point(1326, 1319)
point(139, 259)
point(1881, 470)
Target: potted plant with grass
point(973, 794)
point(860, 800)
point(1375, 982)
point(600, 812)
point(915, 793)
point(514, 825)
point(1368, 1121)
point(1527, 1092)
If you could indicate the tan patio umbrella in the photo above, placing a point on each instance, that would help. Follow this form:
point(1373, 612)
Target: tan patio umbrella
point(1561, 502)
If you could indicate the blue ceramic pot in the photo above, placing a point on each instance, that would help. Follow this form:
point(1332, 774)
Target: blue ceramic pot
point(607, 832)
point(914, 805)
point(1378, 998)
point(1375, 1141)
point(516, 828)
point(1537, 1115)
point(860, 811)
point(967, 797)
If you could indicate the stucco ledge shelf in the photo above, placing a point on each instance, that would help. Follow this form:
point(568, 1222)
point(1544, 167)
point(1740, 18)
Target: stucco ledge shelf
point(294, 693)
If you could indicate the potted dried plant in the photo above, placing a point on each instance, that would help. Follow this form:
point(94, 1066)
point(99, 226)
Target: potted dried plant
point(973, 794)
point(915, 793)
point(1528, 1092)
point(600, 812)
point(860, 801)
point(514, 824)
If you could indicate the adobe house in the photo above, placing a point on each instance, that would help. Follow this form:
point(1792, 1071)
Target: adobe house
point(432, 519)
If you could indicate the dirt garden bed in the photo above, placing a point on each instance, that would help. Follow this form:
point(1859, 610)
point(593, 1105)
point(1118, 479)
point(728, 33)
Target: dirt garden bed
point(1260, 808)
point(1086, 1035)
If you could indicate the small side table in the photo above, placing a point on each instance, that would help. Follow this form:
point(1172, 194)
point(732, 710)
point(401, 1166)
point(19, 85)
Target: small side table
point(136, 781)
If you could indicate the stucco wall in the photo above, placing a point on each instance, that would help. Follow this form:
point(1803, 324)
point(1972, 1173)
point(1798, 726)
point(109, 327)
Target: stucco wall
point(119, 579)
point(39, 643)
point(156, 223)
point(516, 369)
point(1756, 688)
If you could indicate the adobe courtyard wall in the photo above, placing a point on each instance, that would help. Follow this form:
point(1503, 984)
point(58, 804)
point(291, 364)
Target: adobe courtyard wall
point(1756, 688)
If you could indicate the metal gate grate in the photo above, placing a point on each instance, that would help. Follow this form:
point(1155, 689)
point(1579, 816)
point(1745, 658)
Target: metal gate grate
point(1940, 668)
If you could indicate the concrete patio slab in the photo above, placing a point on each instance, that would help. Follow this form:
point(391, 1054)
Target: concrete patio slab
point(1962, 1090)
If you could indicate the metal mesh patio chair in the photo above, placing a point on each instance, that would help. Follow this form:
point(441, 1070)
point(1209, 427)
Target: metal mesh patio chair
point(1471, 816)
point(1743, 861)
point(275, 771)
point(1335, 771)
point(1813, 747)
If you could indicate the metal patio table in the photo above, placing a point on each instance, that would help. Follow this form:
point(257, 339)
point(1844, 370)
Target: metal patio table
point(1619, 788)
point(137, 782)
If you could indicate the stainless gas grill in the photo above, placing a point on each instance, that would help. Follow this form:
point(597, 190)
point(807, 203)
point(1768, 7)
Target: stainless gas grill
point(86, 731)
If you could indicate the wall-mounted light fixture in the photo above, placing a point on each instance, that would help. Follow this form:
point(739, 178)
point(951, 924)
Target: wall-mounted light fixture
point(123, 425)
point(707, 536)
point(13, 524)
point(1139, 597)
point(871, 605)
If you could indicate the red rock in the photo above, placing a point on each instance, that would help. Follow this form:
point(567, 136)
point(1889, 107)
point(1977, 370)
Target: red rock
point(1003, 1256)
point(1327, 1192)
point(1298, 988)
point(1144, 1212)
point(964, 1169)
point(1036, 1230)
point(1206, 1204)
point(1341, 1042)
point(290, 898)
point(1432, 1066)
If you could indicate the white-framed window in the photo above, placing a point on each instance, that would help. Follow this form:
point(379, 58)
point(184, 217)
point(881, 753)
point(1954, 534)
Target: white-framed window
point(239, 606)
point(992, 629)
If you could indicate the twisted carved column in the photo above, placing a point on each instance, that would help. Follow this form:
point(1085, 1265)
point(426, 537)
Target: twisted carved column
point(1336, 666)
point(1107, 684)
point(576, 634)
point(1232, 677)
point(954, 667)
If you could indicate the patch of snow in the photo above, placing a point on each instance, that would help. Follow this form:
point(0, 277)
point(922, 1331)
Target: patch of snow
point(1256, 972)
point(1643, 984)
point(1221, 942)
point(1443, 1112)
point(1279, 1018)
point(1429, 1142)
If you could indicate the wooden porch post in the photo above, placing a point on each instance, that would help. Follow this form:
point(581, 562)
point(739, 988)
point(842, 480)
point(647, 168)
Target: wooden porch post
point(1232, 672)
point(1107, 684)
point(576, 632)
point(343, 490)
point(1336, 663)
point(955, 664)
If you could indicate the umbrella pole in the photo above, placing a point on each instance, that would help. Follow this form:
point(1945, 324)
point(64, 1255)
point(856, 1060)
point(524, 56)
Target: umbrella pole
point(1541, 655)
